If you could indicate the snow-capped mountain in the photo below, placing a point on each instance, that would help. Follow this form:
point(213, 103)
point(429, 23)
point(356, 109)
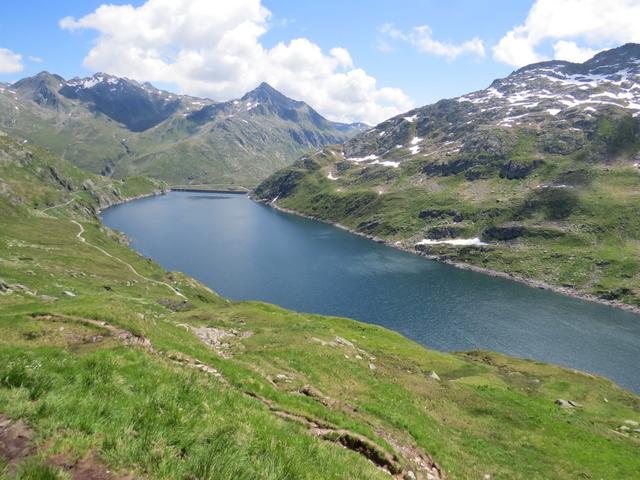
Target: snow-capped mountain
point(559, 88)
point(137, 106)
point(561, 100)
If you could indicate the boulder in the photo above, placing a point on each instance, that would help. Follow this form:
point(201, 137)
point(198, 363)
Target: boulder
point(433, 376)
point(344, 342)
point(567, 404)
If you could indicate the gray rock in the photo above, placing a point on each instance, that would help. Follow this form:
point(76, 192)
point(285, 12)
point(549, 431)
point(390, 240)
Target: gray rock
point(516, 170)
point(440, 213)
point(437, 233)
point(449, 168)
point(434, 376)
point(567, 404)
point(343, 342)
point(503, 232)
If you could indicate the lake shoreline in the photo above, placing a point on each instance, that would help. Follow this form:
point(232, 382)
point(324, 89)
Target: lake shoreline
point(120, 201)
point(568, 292)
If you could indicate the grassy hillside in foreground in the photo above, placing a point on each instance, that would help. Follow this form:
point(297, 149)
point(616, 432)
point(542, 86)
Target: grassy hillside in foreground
point(572, 222)
point(111, 366)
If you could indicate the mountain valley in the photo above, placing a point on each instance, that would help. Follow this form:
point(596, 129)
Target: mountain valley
point(535, 177)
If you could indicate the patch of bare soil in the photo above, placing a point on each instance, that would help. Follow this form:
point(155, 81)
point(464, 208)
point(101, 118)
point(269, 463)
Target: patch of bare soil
point(424, 467)
point(220, 340)
point(90, 467)
point(15, 441)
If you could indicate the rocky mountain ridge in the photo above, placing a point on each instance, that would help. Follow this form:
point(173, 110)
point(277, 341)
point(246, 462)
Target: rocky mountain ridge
point(118, 126)
point(564, 99)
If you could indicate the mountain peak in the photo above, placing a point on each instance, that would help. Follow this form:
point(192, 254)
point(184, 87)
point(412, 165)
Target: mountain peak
point(550, 97)
point(629, 52)
point(40, 77)
point(95, 79)
point(265, 93)
point(42, 88)
point(265, 87)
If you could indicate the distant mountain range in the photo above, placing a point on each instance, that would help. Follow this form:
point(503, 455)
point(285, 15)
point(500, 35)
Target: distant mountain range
point(536, 175)
point(119, 127)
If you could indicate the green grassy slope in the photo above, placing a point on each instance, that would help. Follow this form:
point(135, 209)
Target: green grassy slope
point(116, 375)
point(573, 221)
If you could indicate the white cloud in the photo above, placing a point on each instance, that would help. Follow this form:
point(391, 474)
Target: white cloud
point(575, 29)
point(213, 48)
point(36, 59)
point(421, 38)
point(10, 62)
point(570, 51)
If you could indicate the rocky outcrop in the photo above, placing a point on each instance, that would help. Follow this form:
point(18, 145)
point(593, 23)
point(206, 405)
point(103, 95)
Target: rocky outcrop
point(567, 404)
point(63, 181)
point(368, 226)
point(306, 163)
point(517, 170)
point(561, 144)
point(279, 186)
point(449, 168)
point(503, 232)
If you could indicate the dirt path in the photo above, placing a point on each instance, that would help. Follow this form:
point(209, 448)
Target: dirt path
point(104, 252)
point(59, 205)
point(128, 265)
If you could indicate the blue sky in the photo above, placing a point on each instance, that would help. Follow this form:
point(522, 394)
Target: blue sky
point(383, 38)
point(425, 78)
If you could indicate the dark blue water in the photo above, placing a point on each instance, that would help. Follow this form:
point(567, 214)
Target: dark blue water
point(245, 250)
